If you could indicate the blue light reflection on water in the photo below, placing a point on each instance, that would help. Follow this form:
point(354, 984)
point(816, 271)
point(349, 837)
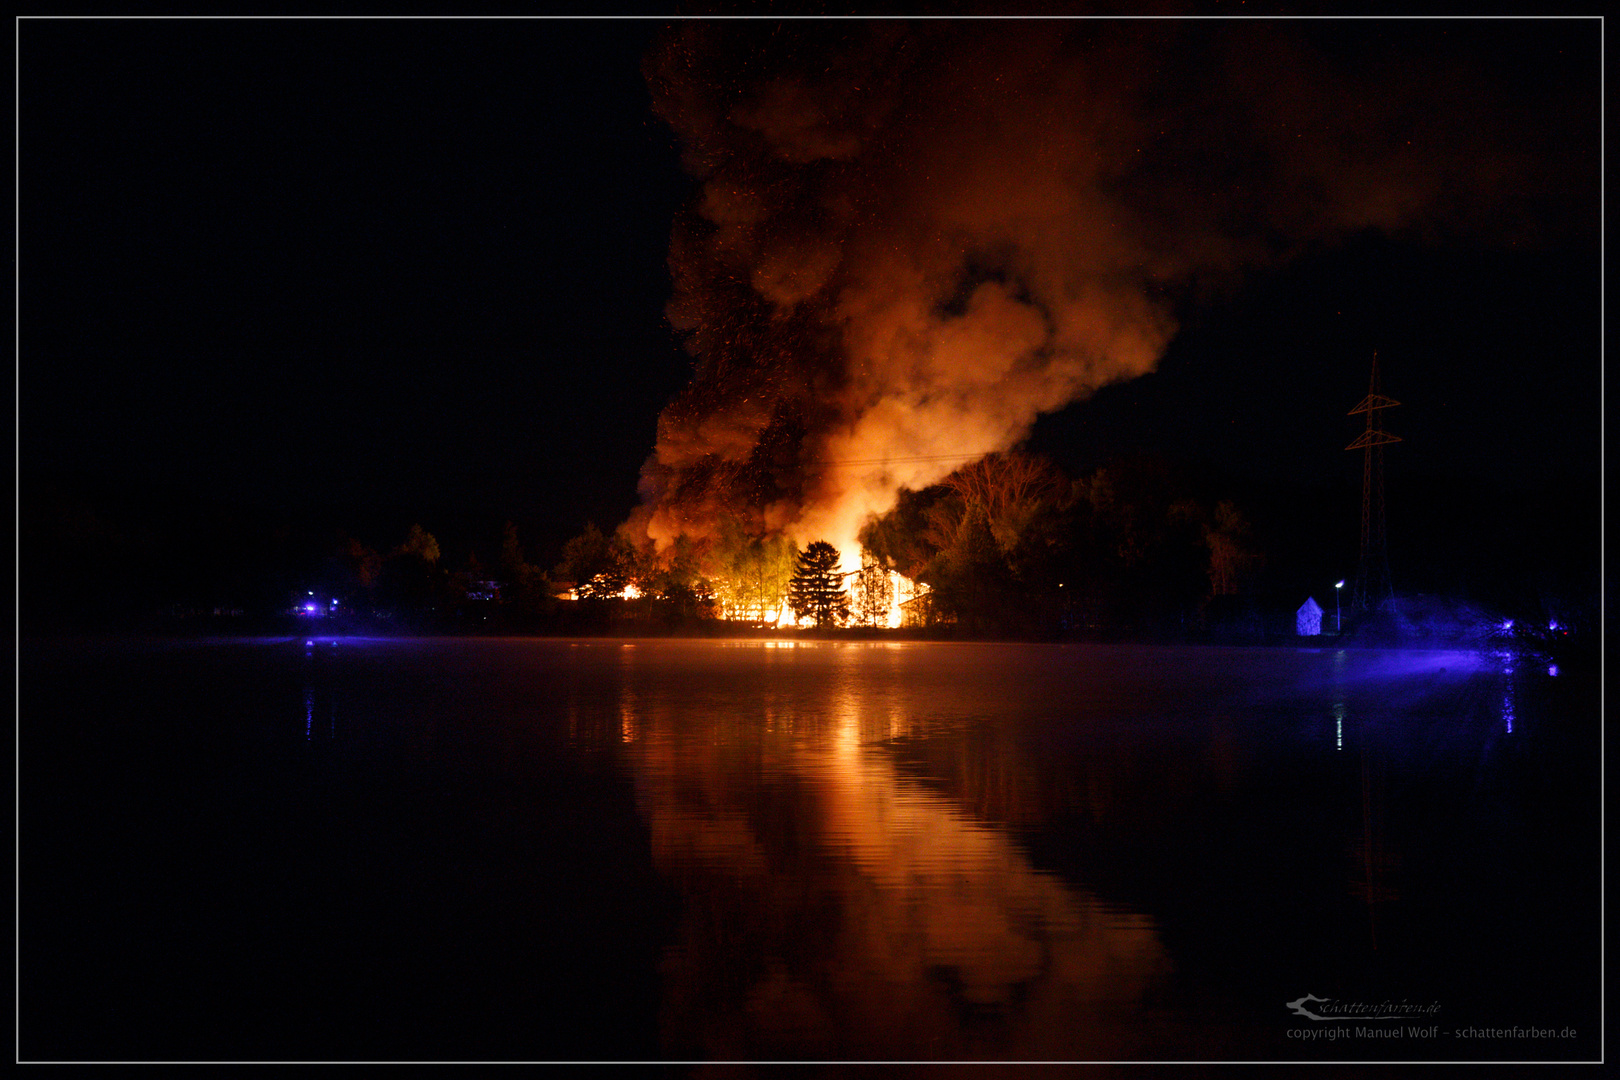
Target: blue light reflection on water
point(318, 687)
point(1338, 699)
point(1506, 662)
point(957, 850)
point(1395, 668)
point(309, 692)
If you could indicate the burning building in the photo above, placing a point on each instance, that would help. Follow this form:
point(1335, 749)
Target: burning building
point(908, 241)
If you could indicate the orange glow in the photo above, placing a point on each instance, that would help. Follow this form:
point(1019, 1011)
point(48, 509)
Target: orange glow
point(901, 590)
point(629, 592)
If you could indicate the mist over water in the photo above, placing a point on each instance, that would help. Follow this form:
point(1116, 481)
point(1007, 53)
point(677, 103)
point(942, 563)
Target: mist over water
point(778, 850)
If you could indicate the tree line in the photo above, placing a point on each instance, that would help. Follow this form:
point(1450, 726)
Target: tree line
point(1009, 545)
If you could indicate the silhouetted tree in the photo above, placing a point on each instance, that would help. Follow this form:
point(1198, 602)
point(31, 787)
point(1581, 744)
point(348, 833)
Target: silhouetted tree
point(1234, 557)
point(363, 564)
point(410, 580)
point(1150, 542)
point(1009, 545)
point(525, 590)
point(990, 540)
point(817, 593)
point(600, 566)
point(677, 579)
point(900, 539)
point(421, 543)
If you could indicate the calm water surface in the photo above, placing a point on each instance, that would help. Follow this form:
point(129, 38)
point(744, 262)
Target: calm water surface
point(471, 849)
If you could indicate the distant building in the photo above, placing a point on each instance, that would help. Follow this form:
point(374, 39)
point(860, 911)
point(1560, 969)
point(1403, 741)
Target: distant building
point(1308, 619)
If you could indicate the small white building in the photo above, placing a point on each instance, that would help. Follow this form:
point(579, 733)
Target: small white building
point(1308, 619)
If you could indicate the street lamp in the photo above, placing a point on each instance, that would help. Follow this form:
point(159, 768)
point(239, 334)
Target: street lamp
point(1338, 626)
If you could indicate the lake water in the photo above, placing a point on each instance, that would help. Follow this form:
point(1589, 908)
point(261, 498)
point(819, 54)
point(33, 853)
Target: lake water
point(470, 849)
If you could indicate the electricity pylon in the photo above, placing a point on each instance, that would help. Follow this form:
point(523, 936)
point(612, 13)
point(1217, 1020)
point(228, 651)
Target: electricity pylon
point(1372, 587)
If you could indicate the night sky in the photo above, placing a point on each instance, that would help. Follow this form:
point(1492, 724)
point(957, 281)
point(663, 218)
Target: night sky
point(386, 271)
point(378, 264)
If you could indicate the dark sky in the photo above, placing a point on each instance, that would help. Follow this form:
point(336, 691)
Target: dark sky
point(422, 265)
point(400, 263)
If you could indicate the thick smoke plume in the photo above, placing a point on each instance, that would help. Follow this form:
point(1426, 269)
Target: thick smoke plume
point(910, 240)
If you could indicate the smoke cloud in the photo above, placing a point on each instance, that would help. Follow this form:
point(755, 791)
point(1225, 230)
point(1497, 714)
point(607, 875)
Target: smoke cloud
point(910, 240)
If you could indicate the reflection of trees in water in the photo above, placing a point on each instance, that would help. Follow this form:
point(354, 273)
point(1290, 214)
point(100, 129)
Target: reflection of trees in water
point(1129, 786)
point(842, 835)
point(833, 908)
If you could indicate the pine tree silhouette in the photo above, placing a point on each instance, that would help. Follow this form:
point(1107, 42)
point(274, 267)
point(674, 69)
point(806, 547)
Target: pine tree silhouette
point(817, 591)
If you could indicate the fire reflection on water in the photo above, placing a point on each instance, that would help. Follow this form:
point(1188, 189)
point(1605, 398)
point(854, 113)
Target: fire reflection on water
point(833, 907)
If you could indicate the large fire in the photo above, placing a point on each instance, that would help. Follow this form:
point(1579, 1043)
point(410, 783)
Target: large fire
point(899, 257)
point(910, 240)
point(896, 589)
point(877, 595)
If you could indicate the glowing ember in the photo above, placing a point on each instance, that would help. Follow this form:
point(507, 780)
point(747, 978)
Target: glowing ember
point(597, 590)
